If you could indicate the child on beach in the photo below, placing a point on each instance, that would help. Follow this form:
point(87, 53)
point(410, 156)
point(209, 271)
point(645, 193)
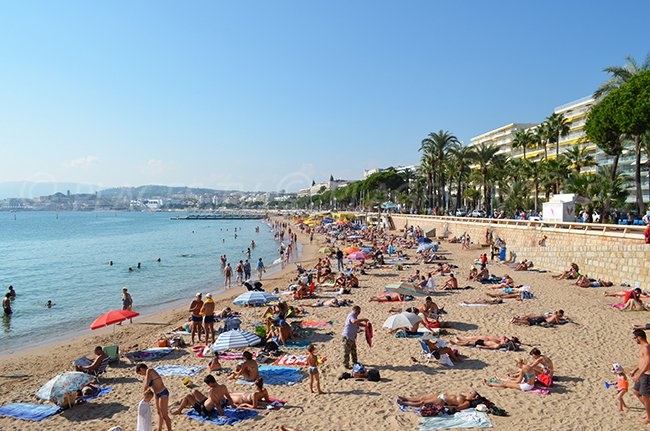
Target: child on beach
point(144, 412)
point(621, 385)
point(312, 363)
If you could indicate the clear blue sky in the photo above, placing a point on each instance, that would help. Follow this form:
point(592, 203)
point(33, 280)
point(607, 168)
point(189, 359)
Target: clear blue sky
point(270, 94)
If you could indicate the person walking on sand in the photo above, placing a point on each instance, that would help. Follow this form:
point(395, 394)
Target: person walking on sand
point(154, 382)
point(350, 331)
point(261, 269)
point(227, 275)
point(641, 374)
point(339, 260)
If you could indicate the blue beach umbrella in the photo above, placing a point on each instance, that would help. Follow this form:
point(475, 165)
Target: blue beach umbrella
point(367, 250)
point(423, 240)
point(235, 339)
point(254, 298)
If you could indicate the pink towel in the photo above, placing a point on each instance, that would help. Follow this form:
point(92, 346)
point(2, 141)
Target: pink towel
point(620, 305)
point(369, 334)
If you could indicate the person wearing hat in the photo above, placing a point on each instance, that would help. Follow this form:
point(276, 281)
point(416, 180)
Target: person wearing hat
point(208, 318)
point(195, 316)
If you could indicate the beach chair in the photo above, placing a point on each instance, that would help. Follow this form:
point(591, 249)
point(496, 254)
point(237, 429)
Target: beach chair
point(101, 369)
point(113, 352)
point(426, 354)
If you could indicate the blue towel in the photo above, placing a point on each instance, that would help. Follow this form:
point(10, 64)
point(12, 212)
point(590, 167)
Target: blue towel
point(102, 391)
point(232, 416)
point(29, 412)
point(274, 375)
point(464, 419)
point(149, 354)
point(296, 345)
point(177, 370)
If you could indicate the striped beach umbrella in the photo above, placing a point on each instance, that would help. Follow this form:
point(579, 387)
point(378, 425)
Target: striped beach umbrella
point(254, 298)
point(235, 339)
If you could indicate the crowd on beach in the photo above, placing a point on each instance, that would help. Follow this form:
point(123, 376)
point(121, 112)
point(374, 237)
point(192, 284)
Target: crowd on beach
point(351, 252)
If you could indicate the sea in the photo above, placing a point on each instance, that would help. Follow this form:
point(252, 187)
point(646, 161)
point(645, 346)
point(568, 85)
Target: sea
point(64, 257)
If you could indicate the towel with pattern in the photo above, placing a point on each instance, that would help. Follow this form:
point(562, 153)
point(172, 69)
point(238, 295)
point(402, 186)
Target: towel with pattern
point(232, 416)
point(463, 419)
point(178, 370)
point(149, 354)
point(274, 375)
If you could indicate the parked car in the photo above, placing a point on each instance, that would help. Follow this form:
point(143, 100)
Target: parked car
point(477, 213)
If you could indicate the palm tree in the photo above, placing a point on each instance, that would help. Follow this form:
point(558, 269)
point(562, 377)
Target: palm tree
point(427, 164)
point(607, 189)
point(522, 139)
point(557, 126)
point(541, 137)
point(579, 157)
point(462, 156)
point(533, 170)
point(484, 156)
point(438, 143)
point(621, 74)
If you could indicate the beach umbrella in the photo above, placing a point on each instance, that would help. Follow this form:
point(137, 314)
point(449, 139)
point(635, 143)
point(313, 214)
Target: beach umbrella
point(254, 298)
point(350, 249)
point(357, 255)
point(327, 250)
point(235, 339)
point(63, 384)
point(423, 247)
point(113, 317)
point(367, 250)
point(401, 320)
point(406, 289)
point(355, 237)
point(423, 240)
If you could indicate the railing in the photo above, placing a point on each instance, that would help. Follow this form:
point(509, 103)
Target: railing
point(597, 229)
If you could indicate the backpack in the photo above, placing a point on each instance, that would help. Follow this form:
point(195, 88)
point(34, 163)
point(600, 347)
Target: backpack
point(430, 409)
point(511, 346)
point(373, 375)
point(358, 369)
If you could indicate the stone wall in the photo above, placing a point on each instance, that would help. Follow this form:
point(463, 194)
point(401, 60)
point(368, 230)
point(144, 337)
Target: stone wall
point(619, 256)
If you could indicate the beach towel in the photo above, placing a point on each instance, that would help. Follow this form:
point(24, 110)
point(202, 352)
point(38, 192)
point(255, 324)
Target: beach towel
point(177, 370)
point(296, 345)
point(403, 334)
point(490, 281)
point(232, 416)
point(233, 356)
point(102, 391)
point(29, 412)
point(463, 419)
point(369, 334)
point(274, 375)
point(316, 323)
point(294, 361)
point(149, 354)
point(470, 304)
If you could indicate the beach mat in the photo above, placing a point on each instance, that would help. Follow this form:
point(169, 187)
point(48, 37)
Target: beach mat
point(274, 375)
point(471, 304)
point(102, 391)
point(287, 360)
point(178, 370)
point(464, 419)
point(232, 416)
point(28, 412)
point(149, 354)
point(296, 345)
point(316, 324)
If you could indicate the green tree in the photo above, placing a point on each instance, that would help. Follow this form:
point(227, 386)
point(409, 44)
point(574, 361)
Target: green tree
point(602, 129)
point(435, 146)
point(533, 170)
point(621, 74)
point(607, 190)
point(541, 138)
point(579, 157)
point(461, 157)
point(523, 139)
point(485, 154)
point(557, 126)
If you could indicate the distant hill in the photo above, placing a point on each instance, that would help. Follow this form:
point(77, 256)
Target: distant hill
point(30, 190)
point(154, 191)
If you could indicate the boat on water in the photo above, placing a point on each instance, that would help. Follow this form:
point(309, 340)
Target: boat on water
point(221, 216)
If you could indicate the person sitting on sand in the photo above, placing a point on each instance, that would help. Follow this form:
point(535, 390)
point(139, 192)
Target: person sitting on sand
point(415, 277)
point(438, 347)
point(429, 307)
point(302, 291)
point(444, 399)
point(218, 397)
point(388, 297)
point(483, 275)
point(324, 274)
point(352, 281)
point(572, 273)
point(556, 318)
point(486, 341)
point(100, 356)
point(473, 273)
point(451, 283)
point(248, 370)
point(524, 380)
point(541, 364)
point(524, 266)
point(252, 400)
point(340, 281)
point(583, 281)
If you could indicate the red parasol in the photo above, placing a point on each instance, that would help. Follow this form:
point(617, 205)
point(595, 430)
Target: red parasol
point(113, 317)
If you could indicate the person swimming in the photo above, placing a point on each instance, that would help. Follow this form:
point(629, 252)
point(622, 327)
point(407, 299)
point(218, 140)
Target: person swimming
point(49, 304)
point(130, 269)
point(110, 263)
point(139, 265)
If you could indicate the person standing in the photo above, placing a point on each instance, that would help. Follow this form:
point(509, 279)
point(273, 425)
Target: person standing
point(247, 270)
point(127, 301)
point(239, 269)
point(339, 260)
point(208, 318)
point(195, 316)
point(6, 304)
point(641, 374)
point(350, 331)
point(227, 275)
point(12, 292)
point(260, 269)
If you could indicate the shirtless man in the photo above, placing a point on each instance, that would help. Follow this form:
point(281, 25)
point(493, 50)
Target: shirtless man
point(541, 364)
point(208, 318)
point(429, 307)
point(218, 398)
point(248, 370)
point(101, 355)
point(531, 319)
point(195, 316)
point(641, 374)
point(484, 341)
point(451, 283)
point(445, 399)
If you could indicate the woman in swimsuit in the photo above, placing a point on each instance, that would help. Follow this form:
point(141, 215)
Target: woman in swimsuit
point(251, 400)
point(484, 341)
point(445, 399)
point(524, 381)
point(531, 319)
point(153, 380)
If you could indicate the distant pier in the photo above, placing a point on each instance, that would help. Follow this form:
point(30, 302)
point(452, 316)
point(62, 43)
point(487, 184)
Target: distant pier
point(220, 216)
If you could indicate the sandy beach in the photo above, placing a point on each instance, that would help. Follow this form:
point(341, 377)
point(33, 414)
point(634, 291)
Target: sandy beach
point(582, 352)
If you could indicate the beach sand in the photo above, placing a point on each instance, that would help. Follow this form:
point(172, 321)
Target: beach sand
point(582, 352)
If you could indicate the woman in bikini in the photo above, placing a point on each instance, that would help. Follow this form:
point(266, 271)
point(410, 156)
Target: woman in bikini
point(153, 380)
point(531, 319)
point(251, 400)
point(524, 381)
point(445, 399)
point(485, 341)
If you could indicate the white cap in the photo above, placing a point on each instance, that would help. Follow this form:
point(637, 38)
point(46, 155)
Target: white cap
point(208, 295)
point(198, 294)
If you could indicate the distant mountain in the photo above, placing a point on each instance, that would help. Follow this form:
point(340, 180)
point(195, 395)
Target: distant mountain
point(155, 191)
point(30, 190)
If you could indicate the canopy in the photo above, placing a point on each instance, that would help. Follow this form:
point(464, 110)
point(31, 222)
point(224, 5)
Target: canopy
point(235, 339)
point(113, 317)
point(63, 384)
point(401, 320)
point(351, 249)
point(406, 289)
point(254, 298)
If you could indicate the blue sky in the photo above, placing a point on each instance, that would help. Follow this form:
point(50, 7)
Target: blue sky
point(270, 94)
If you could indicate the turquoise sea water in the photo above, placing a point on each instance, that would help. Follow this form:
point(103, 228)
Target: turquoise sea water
point(64, 257)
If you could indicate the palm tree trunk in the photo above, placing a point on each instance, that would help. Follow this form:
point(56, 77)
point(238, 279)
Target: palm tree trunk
point(536, 194)
point(557, 145)
point(524, 151)
point(485, 191)
point(545, 150)
point(458, 191)
point(637, 174)
point(614, 166)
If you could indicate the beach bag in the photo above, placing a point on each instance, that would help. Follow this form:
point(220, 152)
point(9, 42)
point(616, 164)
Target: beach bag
point(163, 342)
point(374, 376)
point(358, 369)
point(430, 409)
point(260, 331)
point(545, 380)
point(511, 346)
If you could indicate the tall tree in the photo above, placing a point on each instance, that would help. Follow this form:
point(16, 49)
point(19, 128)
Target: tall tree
point(579, 157)
point(462, 156)
point(485, 156)
point(533, 170)
point(438, 144)
point(602, 129)
point(621, 74)
point(427, 165)
point(541, 137)
point(557, 126)
point(523, 139)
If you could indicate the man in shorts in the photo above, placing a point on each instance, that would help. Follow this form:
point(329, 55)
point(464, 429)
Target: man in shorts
point(641, 374)
point(218, 397)
point(195, 316)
